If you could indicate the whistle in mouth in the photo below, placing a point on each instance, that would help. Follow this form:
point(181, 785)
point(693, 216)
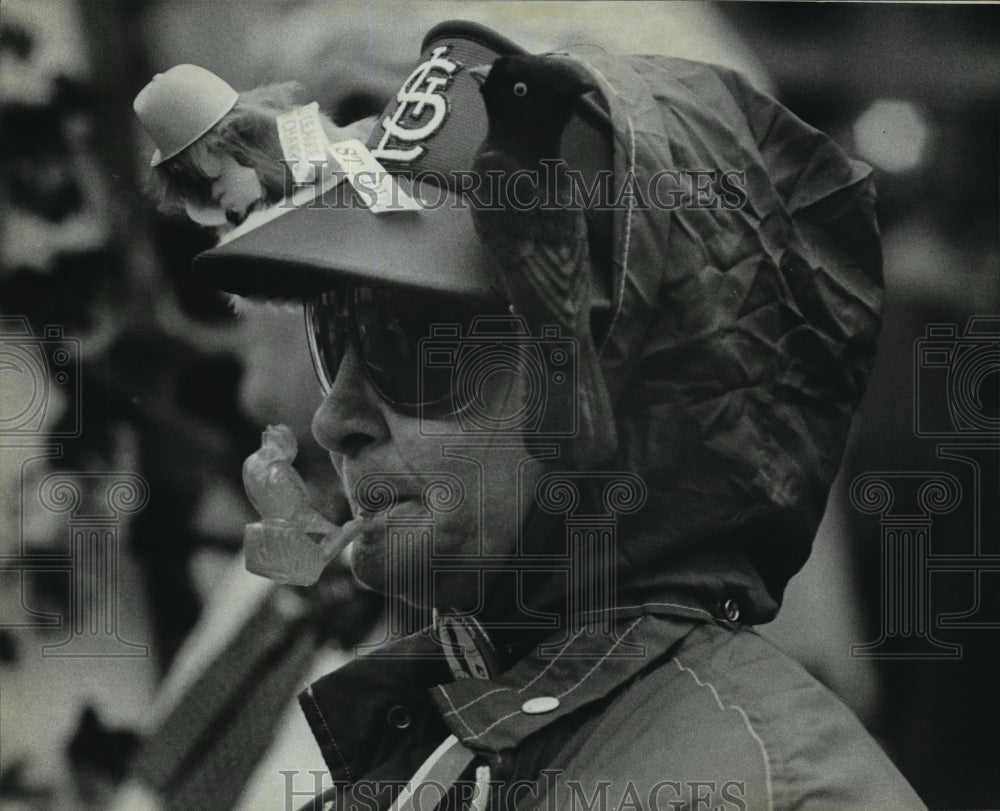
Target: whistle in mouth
point(293, 543)
point(282, 551)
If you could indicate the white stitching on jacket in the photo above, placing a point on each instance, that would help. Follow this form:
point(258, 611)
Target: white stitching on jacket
point(333, 740)
point(454, 711)
point(746, 720)
point(601, 660)
point(465, 706)
point(597, 611)
point(565, 692)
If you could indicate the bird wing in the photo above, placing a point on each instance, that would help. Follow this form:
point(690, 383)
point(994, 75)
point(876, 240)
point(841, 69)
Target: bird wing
point(542, 265)
point(539, 244)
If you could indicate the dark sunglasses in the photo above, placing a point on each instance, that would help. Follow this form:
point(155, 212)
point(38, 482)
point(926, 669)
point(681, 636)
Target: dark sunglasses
point(401, 338)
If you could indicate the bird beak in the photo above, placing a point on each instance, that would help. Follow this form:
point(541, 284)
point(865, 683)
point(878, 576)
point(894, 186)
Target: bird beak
point(480, 72)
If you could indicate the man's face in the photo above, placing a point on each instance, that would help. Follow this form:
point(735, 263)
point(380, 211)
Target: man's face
point(495, 478)
point(235, 190)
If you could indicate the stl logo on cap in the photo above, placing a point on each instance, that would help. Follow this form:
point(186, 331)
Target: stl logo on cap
point(421, 92)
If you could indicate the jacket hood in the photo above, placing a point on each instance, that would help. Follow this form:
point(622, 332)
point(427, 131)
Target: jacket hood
point(741, 333)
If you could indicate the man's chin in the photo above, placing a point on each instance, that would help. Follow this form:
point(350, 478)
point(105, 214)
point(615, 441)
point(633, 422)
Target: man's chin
point(367, 561)
point(456, 590)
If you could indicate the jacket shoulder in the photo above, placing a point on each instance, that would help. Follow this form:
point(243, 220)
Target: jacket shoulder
point(731, 721)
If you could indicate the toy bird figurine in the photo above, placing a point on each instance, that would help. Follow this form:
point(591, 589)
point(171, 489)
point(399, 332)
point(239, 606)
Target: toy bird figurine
point(538, 233)
point(294, 543)
point(275, 488)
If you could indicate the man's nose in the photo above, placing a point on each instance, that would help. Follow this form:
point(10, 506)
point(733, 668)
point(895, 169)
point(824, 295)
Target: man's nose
point(348, 419)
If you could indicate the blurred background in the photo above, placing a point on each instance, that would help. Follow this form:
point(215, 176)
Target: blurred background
point(165, 381)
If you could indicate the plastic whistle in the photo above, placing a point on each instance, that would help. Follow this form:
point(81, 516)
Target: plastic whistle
point(292, 543)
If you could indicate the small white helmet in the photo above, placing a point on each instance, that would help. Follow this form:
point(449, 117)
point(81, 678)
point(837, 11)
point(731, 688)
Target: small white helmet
point(177, 107)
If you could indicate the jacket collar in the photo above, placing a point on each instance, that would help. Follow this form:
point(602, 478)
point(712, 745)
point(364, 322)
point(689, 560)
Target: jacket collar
point(380, 704)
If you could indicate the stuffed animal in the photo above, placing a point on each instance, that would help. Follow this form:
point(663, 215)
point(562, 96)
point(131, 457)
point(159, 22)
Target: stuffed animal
point(218, 154)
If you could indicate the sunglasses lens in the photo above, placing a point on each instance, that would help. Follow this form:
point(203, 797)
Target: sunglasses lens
point(392, 330)
point(326, 330)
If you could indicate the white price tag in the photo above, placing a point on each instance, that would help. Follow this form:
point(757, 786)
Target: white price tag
point(303, 141)
point(376, 187)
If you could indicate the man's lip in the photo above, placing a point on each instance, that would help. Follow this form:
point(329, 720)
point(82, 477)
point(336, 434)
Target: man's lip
point(403, 498)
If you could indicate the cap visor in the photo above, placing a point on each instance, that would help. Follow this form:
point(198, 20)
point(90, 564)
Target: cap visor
point(308, 249)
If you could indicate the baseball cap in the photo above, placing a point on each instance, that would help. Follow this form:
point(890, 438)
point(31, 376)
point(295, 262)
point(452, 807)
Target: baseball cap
point(179, 106)
point(431, 128)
